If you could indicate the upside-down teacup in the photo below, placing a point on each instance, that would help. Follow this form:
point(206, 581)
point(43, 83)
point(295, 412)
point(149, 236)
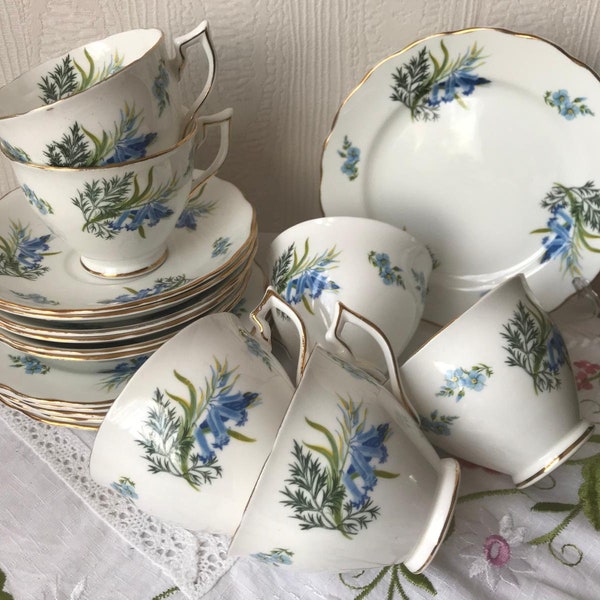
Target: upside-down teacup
point(351, 482)
point(109, 101)
point(374, 268)
point(119, 217)
point(186, 438)
point(495, 387)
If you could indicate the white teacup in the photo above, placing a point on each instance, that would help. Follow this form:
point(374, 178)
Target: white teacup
point(495, 387)
point(352, 482)
point(187, 437)
point(110, 101)
point(118, 217)
point(374, 268)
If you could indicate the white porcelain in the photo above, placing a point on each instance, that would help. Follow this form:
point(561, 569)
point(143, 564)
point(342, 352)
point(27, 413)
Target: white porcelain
point(50, 391)
point(215, 236)
point(430, 140)
point(186, 438)
point(351, 482)
point(372, 267)
point(495, 387)
point(226, 295)
point(109, 101)
point(119, 217)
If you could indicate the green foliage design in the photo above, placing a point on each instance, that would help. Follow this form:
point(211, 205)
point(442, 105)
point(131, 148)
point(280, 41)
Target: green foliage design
point(182, 435)
point(535, 345)
point(329, 486)
point(110, 206)
point(69, 77)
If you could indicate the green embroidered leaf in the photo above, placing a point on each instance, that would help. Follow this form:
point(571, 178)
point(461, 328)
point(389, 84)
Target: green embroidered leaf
point(420, 580)
point(589, 491)
point(553, 507)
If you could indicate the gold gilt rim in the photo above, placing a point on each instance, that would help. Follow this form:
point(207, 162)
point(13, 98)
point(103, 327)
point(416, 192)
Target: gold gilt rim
point(551, 464)
point(508, 32)
point(247, 249)
point(94, 424)
point(107, 334)
point(55, 59)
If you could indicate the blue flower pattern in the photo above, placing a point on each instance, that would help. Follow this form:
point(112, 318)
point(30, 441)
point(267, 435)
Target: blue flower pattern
point(277, 557)
point(437, 424)
point(458, 380)
point(567, 108)
point(390, 275)
point(220, 247)
point(30, 364)
point(125, 487)
point(351, 156)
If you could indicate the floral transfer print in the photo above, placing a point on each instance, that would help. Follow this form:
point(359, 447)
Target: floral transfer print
point(122, 372)
point(586, 374)
point(573, 227)
point(161, 285)
point(160, 87)
point(277, 557)
point(567, 108)
point(38, 203)
point(79, 147)
point(390, 275)
point(351, 154)
point(196, 208)
point(220, 247)
point(304, 278)
point(437, 424)
point(69, 77)
point(459, 380)
point(420, 284)
point(495, 549)
point(14, 153)
point(36, 298)
point(256, 349)
point(111, 206)
point(30, 364)
point(330, 489)
point(182, 436)
point(125, 487)
point(534, 344)
point(427, 81)
point(22, 255)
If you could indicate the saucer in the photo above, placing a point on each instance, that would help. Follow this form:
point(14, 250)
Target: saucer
point(53, 394)
point(493, 167)
point(40, 276)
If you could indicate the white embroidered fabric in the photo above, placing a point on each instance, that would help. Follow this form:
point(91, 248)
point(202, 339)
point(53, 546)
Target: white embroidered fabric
point(193, 561)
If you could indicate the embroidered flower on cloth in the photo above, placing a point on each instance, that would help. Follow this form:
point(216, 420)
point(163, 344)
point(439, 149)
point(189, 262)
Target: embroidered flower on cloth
point(496, 550)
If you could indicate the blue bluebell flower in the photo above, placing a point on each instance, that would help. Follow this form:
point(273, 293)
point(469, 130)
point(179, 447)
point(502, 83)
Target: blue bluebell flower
point(187, 219)
point(312, 281)
point(364, 447)
point(148, 214)
point(436, 427)
point(557, 350)
point(130, 148)
point(561, 244)
point(30, 251)
point(462, 81)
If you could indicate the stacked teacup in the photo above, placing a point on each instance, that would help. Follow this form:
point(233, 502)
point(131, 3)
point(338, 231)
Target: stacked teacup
point(104, 149)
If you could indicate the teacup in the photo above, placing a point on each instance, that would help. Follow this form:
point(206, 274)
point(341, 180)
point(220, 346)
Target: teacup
point(110, 101)
point(186, 438)
point(495, 387)
point(374, 268)
point(351, 482)
point(118, 217)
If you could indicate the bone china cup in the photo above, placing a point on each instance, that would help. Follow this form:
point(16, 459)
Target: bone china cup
point(186, 438)
point(351, 482)
point(495, 387)
point(372, 267)
point(110, 101)
point(118, 217)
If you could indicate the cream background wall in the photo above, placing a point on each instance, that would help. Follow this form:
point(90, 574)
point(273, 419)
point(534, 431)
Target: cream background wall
point(283, 65)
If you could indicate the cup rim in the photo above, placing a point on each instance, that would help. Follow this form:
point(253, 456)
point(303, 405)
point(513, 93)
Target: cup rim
point(191, 128)
point(42, 107)
point(456, 321)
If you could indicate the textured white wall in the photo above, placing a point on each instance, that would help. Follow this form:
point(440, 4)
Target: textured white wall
point(283, 65)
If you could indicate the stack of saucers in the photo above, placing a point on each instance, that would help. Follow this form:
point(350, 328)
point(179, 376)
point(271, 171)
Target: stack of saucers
point(113, 242)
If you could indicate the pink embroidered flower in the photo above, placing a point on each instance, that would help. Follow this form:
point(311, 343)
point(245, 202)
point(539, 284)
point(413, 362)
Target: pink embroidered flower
point(496, 550)
point(587, 372)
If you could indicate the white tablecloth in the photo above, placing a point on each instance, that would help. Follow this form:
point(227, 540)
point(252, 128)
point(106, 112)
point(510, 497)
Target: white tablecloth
point(62, 536)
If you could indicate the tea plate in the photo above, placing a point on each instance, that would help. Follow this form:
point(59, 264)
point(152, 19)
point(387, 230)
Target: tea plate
point(40, 276)
point(50, 392)
point(483, 144)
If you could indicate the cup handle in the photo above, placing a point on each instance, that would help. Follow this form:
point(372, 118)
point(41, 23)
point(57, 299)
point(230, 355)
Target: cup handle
point(343, 316)
point(223, 120)
point(272, 300)
point(182, 46)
